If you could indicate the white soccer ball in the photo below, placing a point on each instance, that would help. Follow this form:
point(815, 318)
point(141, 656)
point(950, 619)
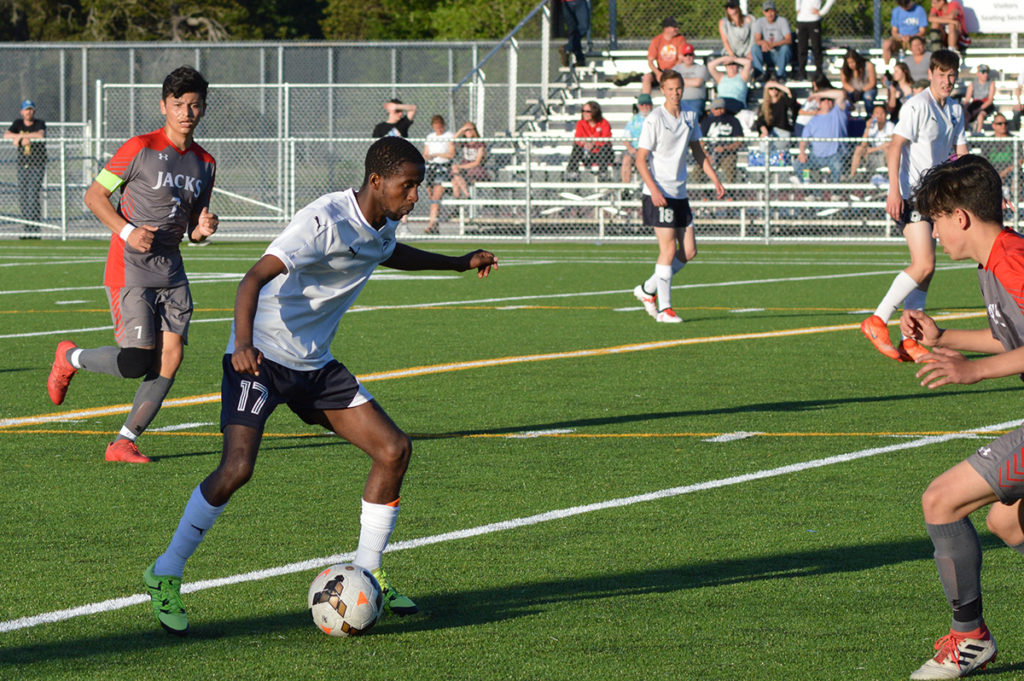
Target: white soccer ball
point(345, 600)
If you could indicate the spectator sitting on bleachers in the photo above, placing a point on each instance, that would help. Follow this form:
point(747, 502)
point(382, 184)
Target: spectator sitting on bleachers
point(1000, 154)
point(876, 140)
point(588, 151)
point(908, 19)
point(470, 168)
point(811, 105)
point(830, 122)
point(773, 43)
point(663, 53)
point(859, 78)
point(721, 123)
point(901, 88)
point(777, 114)
point(736, 30)
point(733, 82)
point(979, 98)
point(918, 60)
point(809, 14)
point(948, 18)
point(633, 128)
point(695, 78)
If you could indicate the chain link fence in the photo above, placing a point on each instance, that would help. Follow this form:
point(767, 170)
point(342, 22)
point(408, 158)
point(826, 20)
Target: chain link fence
point(524, 192)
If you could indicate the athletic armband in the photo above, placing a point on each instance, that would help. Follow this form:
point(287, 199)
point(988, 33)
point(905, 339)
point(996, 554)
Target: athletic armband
point(126, 230)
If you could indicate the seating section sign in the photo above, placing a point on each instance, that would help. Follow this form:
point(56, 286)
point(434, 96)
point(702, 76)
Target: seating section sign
point(994, 16)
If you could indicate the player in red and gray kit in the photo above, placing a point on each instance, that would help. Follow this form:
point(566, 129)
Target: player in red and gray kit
point(166, 180)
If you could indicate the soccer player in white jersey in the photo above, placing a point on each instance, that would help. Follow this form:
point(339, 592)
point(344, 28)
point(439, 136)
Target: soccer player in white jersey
point(287, 312)
point(668, 132)
point(931, 126)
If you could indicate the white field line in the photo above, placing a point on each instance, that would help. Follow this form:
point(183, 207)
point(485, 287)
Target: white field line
point(474, 364)
point(453, 303)
point(515, 523)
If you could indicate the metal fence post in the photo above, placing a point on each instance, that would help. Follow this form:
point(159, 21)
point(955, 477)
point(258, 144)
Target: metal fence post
point(528, 222)
point(545, 53)
point(766, 150)
point(63, 190)
point(513, 81)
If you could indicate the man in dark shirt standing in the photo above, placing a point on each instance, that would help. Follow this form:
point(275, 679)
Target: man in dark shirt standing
point(399, 119)
point(27, 134)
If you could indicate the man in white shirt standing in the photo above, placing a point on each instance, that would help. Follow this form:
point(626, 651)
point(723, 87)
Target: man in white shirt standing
point(668, 132)
point(931, 125)
point(287, 312)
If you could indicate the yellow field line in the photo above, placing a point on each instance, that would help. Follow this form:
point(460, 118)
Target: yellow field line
point(479, 364)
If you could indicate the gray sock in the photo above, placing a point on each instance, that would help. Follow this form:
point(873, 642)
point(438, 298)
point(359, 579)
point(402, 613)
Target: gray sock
point(1019, 548)
point(100, 360)
point(958, 558)
point(148, 399)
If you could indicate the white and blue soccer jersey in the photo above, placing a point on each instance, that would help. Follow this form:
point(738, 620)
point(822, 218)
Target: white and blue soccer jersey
point(668, 138)
point(330, 251)
point(933, 132)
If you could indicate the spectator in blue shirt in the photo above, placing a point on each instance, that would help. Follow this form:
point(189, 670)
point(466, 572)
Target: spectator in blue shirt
point(908, 19)
point(830, 122)
point(633, 128)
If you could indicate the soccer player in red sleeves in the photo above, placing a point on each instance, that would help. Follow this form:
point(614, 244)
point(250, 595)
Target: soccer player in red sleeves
point(964, 201)
point(165, 180)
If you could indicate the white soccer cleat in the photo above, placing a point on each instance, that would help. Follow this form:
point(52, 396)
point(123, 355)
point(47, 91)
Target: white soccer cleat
point(959, 654)
point(646, 299)
point(668, 316)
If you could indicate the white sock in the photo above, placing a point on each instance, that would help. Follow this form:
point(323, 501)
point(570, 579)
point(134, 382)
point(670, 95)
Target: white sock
point(662, 283)
point(127, 433)
point(198, 517)
point(375, 526)
point(75, 354)
point(901, 287)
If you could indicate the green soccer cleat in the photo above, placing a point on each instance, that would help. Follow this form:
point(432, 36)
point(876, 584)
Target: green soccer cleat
point(167, 606)
point(394, 601)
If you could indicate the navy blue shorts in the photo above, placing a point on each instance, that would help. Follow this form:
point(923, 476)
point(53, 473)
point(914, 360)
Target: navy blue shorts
point(250, 400)
point(909, 215)
point(676, 214)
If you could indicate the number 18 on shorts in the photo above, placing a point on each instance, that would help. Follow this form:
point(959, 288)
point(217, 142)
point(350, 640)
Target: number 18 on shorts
point(676, 214)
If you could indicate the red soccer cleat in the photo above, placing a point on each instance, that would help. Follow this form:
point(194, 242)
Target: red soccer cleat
point(125, 450)
point(910, 350)
point(61, 373)
point(876, 331)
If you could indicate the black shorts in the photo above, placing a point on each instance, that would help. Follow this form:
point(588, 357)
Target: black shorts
point(250, 400)
point(437, 173)
point(909, 216)
point(676, 214)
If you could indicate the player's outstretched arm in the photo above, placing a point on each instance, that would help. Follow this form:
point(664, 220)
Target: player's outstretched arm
point(246, 358)
point(948, 366)
point(919, 326)
point(407, 257)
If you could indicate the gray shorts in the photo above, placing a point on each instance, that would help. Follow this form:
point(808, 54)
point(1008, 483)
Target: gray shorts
point(140, 312)
point(1001, 464)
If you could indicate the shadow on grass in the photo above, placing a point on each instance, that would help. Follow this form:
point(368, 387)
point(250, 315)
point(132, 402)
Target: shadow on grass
point(326, 439)
point(484, 606)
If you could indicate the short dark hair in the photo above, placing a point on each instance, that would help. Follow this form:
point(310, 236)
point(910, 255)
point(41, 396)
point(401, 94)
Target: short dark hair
point(184, 79)
point(969, 182)
point(386, 156)
point(437, 118)
point(944, 59)
point(917, 37)
point(669, 74)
